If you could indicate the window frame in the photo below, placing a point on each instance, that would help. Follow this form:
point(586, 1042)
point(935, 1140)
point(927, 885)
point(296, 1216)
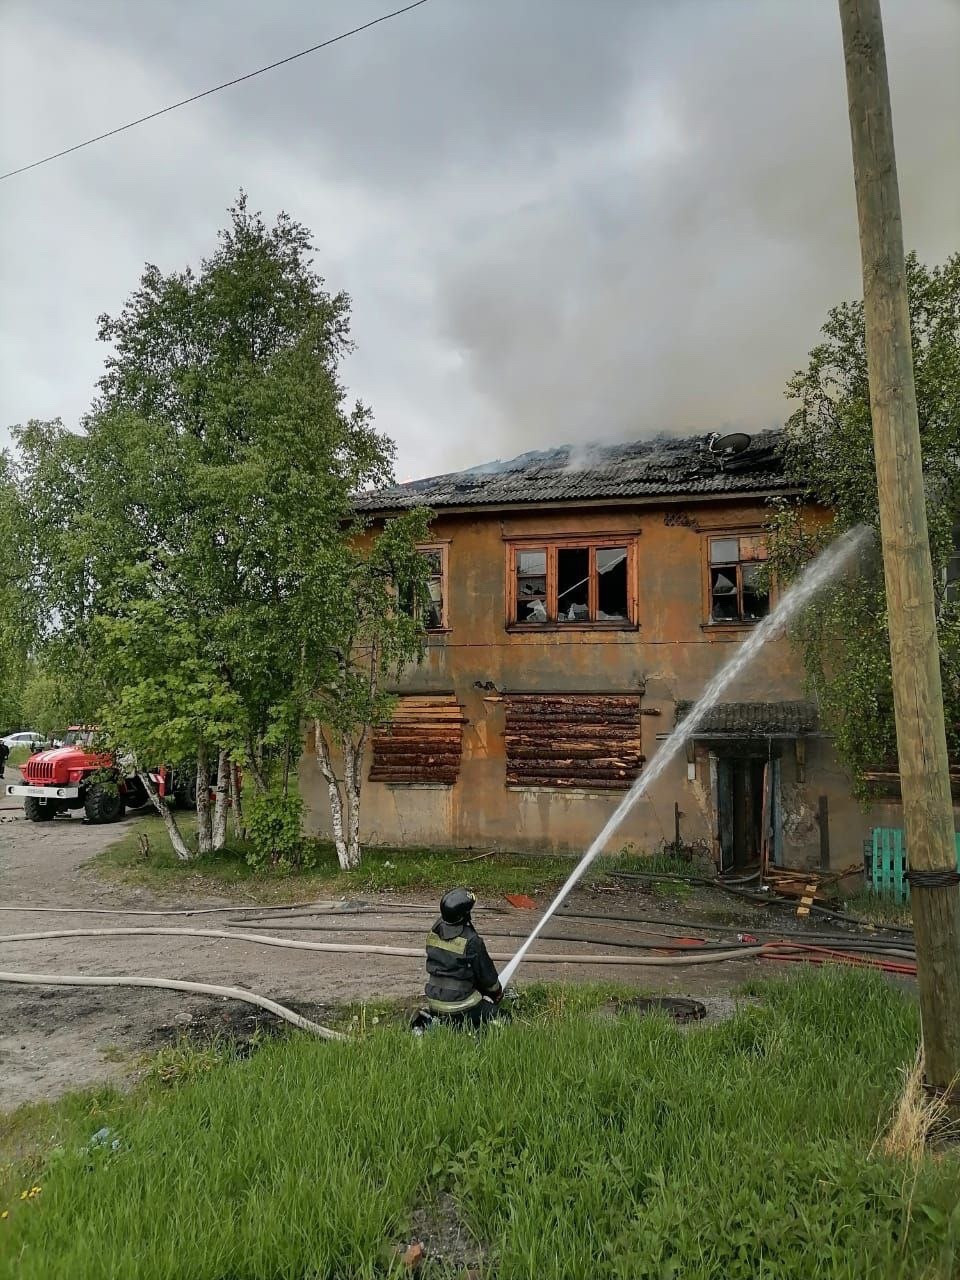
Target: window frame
point(551, 544)
point(443, 547)
point(724, 534)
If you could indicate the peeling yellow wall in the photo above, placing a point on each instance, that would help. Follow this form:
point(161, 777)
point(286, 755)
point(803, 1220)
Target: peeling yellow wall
point(672, 653)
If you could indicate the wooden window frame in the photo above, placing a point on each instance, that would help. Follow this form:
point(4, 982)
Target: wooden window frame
point(551, 544)
point(725, 533)
point(444, 548)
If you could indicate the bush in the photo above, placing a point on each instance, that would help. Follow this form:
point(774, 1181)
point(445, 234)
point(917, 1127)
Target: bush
point(274, 825)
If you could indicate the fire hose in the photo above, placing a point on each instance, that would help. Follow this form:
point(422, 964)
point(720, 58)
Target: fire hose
point(686, 956)
point(171, 984)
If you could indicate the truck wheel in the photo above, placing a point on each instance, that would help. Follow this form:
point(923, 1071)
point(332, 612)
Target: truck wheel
point(38, 810)
point(101, 805)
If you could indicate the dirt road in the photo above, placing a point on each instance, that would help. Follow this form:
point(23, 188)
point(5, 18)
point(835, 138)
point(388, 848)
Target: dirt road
point(56, 1039)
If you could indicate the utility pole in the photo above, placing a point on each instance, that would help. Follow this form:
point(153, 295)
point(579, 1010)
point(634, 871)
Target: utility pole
point(908, 572)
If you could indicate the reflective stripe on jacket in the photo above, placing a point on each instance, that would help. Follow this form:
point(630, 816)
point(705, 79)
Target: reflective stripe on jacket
point(459, 970)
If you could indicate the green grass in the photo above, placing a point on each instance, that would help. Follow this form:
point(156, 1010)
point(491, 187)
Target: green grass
point(381, 870)
point(19, 756)
point(877, 908)
point(571, 1146)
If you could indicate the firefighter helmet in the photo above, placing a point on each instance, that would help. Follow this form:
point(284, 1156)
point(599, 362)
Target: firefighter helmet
point(456, 905)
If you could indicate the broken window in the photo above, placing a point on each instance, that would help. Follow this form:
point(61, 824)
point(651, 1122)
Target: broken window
point(573, 584)
point(531, 586)
point(738, 592)
point(571, 581)
point(433, 611)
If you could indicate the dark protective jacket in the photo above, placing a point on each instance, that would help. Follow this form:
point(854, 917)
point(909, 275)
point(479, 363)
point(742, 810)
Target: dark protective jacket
point(459, 970)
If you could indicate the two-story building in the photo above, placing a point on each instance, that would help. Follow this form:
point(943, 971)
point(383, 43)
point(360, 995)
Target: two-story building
point(578, 605)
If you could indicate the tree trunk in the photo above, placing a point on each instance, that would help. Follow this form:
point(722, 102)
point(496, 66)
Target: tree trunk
point(255, 766)
point(169, 821)
point(239, 829)
point(219, 831)
point(204, 832)
point(351, 785)
point(325, 765)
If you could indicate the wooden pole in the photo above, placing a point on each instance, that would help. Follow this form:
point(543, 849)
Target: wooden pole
point(914, 649)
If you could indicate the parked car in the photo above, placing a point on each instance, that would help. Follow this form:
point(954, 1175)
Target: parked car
point(24, 738)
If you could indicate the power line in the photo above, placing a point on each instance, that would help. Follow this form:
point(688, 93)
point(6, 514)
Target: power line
point(324, 44)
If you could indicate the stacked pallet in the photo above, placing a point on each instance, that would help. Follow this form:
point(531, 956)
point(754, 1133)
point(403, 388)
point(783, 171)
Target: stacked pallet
point(423, 742)
point(589, 741)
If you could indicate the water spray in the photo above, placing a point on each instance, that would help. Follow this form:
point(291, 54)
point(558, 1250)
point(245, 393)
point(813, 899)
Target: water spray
point(836, 557)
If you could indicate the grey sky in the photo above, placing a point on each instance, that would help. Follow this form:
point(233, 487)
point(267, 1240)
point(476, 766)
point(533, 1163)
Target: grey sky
point(559, 220)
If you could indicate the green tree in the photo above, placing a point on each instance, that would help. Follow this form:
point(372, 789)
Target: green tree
point(829, 447)
point(187, 544)
point(13, 610)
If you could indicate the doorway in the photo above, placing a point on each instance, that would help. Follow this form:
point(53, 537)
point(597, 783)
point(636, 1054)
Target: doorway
point(746, 805)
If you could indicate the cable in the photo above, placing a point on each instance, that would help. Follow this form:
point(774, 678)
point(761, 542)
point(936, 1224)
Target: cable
point(227, 84)
point(171, 984)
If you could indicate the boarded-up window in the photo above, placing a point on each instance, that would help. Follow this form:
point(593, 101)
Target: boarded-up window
point(588, 740)
point(422, 743)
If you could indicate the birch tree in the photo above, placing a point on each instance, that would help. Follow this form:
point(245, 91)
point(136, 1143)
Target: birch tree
point(367, 627)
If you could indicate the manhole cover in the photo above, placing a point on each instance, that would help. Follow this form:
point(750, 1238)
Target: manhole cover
point(679, 1008)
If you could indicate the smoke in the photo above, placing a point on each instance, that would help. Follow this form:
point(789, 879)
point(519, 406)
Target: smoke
point(558, 222)
point(670, 276)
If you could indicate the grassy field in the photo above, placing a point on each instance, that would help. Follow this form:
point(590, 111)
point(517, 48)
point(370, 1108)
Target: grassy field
point(563, 1146)
point(382, 869)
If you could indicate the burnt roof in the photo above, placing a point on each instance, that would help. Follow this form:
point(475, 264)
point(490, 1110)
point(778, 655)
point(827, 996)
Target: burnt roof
point(661, 467)
point(754, 719)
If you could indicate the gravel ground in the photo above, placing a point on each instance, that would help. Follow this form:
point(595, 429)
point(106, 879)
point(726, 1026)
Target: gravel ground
point(53, 1039)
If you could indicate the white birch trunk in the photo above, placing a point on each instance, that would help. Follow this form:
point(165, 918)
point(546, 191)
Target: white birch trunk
point(351, 785)
point(204, 833)
point(219, 830)
point(325, 764)
point(169, 821)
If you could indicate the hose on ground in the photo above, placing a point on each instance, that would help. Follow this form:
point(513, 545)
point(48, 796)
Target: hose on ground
point(348, 948)
point(668, 943)
point(178, 911)
point(695, 955)
point(172, 984)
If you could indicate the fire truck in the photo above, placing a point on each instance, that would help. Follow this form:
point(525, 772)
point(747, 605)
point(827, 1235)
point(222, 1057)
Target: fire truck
point(79, 775)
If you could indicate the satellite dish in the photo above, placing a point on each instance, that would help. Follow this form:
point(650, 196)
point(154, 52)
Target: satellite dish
point(730, 445)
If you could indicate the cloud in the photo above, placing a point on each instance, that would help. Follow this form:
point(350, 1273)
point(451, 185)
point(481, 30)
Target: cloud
point(558, 222)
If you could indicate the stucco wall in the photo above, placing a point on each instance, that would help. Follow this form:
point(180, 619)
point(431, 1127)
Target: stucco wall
point(671, 654)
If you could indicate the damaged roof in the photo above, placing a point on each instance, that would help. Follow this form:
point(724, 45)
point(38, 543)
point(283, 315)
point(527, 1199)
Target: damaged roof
point(661, 467)
point(754, 719)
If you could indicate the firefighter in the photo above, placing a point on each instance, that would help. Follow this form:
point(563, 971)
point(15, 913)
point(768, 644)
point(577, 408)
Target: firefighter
point(463, 988)
point(4, 752)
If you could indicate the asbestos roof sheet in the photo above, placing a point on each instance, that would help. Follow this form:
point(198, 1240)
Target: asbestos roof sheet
point(754, 719)
point(663, 466)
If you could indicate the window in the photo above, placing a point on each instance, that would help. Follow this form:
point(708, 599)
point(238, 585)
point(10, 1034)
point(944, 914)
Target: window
point(736, 592)
point(571, 581)
point(434, 610)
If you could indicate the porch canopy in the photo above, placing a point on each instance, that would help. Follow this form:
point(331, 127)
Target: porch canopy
point(740, 720)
